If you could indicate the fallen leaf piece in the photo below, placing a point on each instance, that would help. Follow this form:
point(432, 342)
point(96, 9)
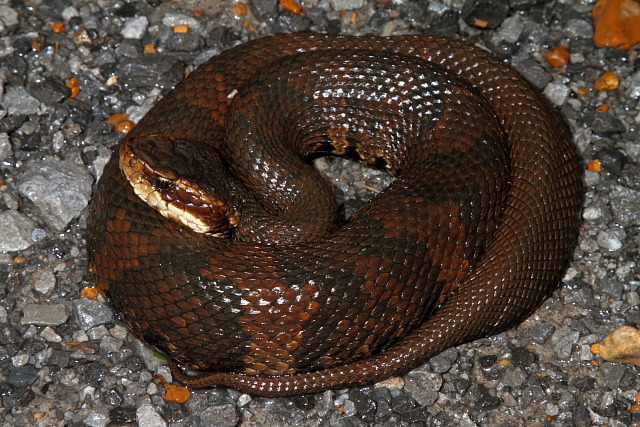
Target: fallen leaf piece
point(607, 81)
point(176, 393)
point(291, 6)
point(622, 345)
point(91, 293)
point(239, 9)
point(615, 23)
point(594, 166)
point(558, 56)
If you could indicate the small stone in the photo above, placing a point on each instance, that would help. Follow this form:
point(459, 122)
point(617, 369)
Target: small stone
point(159, 71)
point(8, 16)
point(541, 332)
point(59, 189)
point(442, 362)
point(69, 12)
point(511, 29)
point(563, 341)
point(23, 376)
point(220, 415)
point(92, 313)
point(485, 13)
point(97, 418)
point(134, 28)
point(174, 19)
point(514, 377)
point(15, 231)
point(604, 124)
point(109, 344)
point(18, 101)
point(20, 360)
point(578, 29)
point(423, 386)
point(611, 239)
point(50, 335)
point(46, 282)
point(45, 314)
point(50, 90)
point(6, 151)
point(244, 399)
point(625, 205)
point(342, 5)
point(557, 93)
point(147, 416)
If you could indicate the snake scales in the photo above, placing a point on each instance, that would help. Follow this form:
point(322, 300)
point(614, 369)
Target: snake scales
point(219, 245)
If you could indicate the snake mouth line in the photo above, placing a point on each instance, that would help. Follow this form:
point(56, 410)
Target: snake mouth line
point(177, 199)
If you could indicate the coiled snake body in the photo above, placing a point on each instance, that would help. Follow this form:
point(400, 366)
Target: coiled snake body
point(220, 245)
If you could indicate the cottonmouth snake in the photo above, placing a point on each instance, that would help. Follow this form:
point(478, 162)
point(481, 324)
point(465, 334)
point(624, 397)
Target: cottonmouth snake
point(271, 294)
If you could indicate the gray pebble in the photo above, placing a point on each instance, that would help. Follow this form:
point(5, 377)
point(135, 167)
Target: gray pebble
point(23, 376)
point(514, 377)
point(8, 16)
point(557, 93)
point(147, 416)
point(18, 101)
point(92, 313)
point(59, 189)
point(97, 418)
point(423, 386)
point(340, 5)
point(151, 71)
point(563, 341)
point(613, 373)
point(6, 151)
point(45, 314)
point(46, 282)
point(541, 332)
point(50, 90)
point(15, 231)
point(611, 239)
point(134, 28)
point(578, 29)
point(604, 124)
point(625, 205)
point(443, 361)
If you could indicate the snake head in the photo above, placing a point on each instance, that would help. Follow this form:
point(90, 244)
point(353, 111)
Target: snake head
point(149, 164)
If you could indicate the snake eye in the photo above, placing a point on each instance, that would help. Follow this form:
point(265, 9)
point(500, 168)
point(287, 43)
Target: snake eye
point(163, 186)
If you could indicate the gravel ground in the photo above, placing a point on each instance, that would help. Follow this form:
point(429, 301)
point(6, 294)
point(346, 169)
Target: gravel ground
point(67, 360)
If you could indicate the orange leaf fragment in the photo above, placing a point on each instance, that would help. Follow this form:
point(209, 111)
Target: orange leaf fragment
point(291, 6)
point(149, 48)
point(121, 122)
point(91, 293)
point(176, 393)
point(117, 118)
point(616, 23)
point(558, 56)
point(72, 84)
point(239, 9)
point(583, 90)
point(480, 23)
point(607, 81)
point(603, 108)
point(181, 29)
point(58, 27)
point(594, 166)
